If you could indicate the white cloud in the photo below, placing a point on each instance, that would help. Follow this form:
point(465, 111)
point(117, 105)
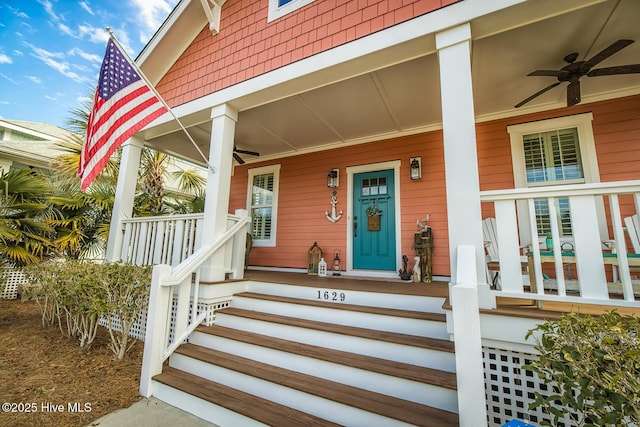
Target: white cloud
point(56, 61)
point(152, 14)
point(94, 34)
point(50, 98)
point(48, 7)
point(66, 30)
point(18, 12)
point(4, 76)
point(5, 59)
point(36, 80)
point(86, 7)
point(76, 51)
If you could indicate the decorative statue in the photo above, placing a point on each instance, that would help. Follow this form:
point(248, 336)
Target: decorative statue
point(404, 273)
point(423, 244)
point(334, 202)
point(422, 223)
point(416, 269)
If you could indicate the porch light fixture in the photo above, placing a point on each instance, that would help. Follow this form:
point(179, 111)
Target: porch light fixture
point(416, 167)
point(332, 178)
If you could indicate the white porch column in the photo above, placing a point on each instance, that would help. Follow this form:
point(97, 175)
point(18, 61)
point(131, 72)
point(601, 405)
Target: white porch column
point(125, 192)
point(460, 155)
point(216, 207)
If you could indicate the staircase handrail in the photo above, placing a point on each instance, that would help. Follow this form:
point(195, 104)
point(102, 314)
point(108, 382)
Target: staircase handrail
point(195, 260)
point(164, 280)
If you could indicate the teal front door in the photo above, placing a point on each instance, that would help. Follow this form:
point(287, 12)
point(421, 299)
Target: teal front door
point(374, 229)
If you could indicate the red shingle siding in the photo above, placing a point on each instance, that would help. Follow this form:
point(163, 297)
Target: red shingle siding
point(304, 198)
point(247, 45)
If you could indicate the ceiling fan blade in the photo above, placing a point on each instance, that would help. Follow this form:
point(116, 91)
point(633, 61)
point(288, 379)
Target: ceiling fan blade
point(535, 95)
point(550, 73)
point(607, 52)
point(610, 71)
point(238, 159)
point(251, 153)
point(573, 93)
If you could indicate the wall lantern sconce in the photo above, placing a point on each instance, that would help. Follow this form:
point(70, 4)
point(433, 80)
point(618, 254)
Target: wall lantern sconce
point(332, 178)
point(416, 167)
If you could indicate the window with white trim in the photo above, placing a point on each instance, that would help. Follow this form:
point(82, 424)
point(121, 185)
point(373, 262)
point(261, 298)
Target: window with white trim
point(279, 8)
point(262, 204)
point(553, 152)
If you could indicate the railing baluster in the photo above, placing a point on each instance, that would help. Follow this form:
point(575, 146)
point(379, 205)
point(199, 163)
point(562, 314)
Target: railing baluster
point(557, 250)
point(535, 248)
point(620, 248)
point(586, 235)
point(509, 247)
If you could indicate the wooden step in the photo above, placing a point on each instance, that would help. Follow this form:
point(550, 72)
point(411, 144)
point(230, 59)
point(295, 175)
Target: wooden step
point(382, 366)
point(377, 403)
point(420, 315)
point(251, 406)
point(391, 337)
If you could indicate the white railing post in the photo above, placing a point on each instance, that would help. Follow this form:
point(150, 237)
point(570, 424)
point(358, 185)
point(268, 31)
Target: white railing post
point(239, 247)
point(468, 341)
point(155, 340)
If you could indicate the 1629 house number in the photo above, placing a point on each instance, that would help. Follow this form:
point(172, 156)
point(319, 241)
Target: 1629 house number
point(332, 296)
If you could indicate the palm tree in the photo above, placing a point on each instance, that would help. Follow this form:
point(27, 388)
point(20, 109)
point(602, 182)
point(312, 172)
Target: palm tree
point(26, 231)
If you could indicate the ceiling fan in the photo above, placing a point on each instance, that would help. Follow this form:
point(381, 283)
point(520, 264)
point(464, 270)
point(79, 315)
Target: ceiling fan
point(575, 70)
point(237, 152)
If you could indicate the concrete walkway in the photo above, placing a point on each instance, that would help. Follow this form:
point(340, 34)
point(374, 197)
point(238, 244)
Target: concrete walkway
point(150, 413)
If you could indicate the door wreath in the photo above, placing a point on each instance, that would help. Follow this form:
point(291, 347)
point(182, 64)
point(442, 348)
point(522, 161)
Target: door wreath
point(373, 217)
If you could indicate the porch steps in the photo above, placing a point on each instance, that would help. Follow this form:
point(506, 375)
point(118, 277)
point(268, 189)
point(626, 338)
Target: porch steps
point(326, 362)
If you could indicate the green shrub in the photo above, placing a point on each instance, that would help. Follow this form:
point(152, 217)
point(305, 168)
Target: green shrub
point(126, 290)
point(74, 295)
point(592, 365)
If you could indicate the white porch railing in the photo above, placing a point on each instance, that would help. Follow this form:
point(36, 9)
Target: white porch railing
point(516, 227)
point(160, 239)
point(182, 283)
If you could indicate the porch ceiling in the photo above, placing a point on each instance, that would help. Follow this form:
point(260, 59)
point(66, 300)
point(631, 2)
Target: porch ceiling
point(405, 97)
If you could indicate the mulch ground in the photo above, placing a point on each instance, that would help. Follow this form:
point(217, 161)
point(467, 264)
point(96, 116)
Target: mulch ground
point(46, 380)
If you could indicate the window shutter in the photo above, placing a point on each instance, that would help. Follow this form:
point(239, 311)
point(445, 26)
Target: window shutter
point(550, 158)
point(262, 206)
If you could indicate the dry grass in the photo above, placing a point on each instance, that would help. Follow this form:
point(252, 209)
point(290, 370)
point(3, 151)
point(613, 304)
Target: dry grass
point(40, 370)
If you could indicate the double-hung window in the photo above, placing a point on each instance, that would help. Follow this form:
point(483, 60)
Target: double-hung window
point(554, 152)
point(553, 157)
point(262, 203)
point(278, 8)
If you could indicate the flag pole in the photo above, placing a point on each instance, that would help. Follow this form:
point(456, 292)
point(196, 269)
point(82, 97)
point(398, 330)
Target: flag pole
point(160, 98)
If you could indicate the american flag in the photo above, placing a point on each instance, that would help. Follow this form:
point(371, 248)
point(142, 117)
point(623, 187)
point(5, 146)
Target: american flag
point(123, 105)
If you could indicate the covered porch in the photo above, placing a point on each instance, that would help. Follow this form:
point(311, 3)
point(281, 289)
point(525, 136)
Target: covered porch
point(440, 88)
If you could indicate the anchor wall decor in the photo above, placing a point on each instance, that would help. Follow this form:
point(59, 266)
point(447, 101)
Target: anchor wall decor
point(334, 201)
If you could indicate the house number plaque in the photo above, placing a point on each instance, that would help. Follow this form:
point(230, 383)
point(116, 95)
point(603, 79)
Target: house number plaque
point(331, 296)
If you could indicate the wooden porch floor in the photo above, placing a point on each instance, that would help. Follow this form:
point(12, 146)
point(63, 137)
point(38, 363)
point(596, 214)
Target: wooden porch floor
point(505, 306)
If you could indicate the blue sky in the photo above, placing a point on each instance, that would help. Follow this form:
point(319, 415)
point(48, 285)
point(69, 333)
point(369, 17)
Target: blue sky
point(51, 50)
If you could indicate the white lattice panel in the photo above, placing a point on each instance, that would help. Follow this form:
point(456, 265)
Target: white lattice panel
point(510, 388)
point(138, 330)
point(13, 279)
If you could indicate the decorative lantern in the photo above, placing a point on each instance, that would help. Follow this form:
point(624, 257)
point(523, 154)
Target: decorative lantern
point(416, 167)
point(315, 253)
point(332, 178)
point(337, 268)
point(322, 268)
